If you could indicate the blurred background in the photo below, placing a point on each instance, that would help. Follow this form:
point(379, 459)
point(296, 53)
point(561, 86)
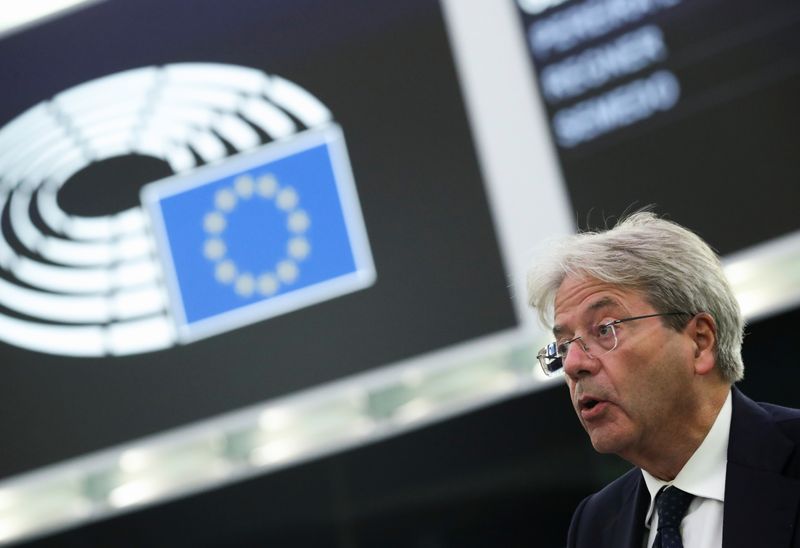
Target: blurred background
point(394, 400)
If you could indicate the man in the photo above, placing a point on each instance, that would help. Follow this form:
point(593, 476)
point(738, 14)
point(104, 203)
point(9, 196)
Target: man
point(648, 334)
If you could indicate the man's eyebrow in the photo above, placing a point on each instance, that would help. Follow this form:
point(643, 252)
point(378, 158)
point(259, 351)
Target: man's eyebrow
point(604, 302)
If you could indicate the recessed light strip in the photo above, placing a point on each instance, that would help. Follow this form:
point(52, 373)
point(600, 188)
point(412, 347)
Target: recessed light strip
point(16, 16)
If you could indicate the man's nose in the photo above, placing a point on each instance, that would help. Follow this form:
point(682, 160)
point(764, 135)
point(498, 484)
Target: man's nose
point(578, 362)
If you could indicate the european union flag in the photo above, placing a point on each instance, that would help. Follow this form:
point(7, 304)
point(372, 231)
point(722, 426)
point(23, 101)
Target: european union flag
point(260, 234)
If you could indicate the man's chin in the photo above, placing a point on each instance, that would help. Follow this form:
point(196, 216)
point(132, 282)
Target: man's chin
point(604, 442)
point(605, 449)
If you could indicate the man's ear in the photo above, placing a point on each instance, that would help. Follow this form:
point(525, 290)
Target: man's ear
point(703, 331)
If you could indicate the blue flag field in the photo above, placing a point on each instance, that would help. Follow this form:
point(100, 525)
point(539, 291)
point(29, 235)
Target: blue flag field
point(260, 234)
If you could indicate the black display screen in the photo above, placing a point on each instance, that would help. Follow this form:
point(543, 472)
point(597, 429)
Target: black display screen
point(387, 77)
point(691, 106)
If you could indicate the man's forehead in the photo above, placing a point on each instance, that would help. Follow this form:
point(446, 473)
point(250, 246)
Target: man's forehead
point(578, 297)
point(575, 291)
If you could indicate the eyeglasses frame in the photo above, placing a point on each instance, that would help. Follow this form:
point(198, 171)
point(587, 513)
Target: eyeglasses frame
point(542, 355)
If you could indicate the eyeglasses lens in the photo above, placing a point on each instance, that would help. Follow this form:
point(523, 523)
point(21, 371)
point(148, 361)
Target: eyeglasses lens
point(551, 357)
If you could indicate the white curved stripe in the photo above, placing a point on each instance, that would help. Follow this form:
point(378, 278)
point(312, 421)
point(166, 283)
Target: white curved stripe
point(109, 88)
point(90, 229)
point(109, 146)
point(104, 228)
point(50, 211)
point(52, 307)
point(208, 146)
point(165, 130)
point(134, 274)
point(65, 167)
point(176, 118)
point(61, 279)
point(41, 160)
point(272, 120)
point(21, 223)
point(236, 131)
point(74, 253)
point(300, 103)
point(31, 147)
point(69, 252)
point(109, 111)
point(34, 121)
point(81, 280)
point(188, 95)
point(117, 125)
point(98, 110)
point(159, 144)
point(28, 186)
point(129, 221)
point(8, 259)
point(124, 223)
point(146, 335)
point(180, 158)
point(119, 339)
point(37, 160)
point(217, 75)
point(151, 147)
point(135, 303)
point(79, 341)
point(133, 246)
point(7, 255)
point(58, 167)
point(160, 137)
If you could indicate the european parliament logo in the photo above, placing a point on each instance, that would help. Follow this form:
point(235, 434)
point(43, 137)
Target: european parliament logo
point(243, 231)
point(261, 234)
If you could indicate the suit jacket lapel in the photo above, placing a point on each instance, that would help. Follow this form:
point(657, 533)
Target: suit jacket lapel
point(761, 504)
point(627, 529)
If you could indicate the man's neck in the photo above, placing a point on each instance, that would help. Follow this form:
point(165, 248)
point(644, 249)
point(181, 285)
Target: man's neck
point(677, 446)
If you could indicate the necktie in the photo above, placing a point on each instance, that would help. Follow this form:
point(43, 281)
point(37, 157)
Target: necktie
point(672, 504)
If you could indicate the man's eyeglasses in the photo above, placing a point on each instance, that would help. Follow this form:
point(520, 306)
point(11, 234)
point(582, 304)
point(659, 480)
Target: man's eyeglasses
point(598, 342)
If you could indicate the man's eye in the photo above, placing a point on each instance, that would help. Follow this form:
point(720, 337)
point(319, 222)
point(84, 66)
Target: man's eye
point(603, 330)
point(562, 348)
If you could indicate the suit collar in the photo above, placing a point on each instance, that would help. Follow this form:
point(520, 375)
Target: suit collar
point(760, 502)
point(755, 440)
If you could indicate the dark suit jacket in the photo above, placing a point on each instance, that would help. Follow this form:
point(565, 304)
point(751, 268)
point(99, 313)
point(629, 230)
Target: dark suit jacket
point(762, 488)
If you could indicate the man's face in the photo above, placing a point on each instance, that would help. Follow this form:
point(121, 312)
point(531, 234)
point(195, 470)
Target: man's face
point(631, 401)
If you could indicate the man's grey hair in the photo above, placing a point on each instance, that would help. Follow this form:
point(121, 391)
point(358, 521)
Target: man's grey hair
point(672, 266)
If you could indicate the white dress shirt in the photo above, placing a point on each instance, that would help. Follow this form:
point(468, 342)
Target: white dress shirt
point(703, 476)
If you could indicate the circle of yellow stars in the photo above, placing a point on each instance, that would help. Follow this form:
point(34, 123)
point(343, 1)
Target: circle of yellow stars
point(265, 283)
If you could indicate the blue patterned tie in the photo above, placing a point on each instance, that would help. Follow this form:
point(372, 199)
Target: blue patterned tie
point(672, 504)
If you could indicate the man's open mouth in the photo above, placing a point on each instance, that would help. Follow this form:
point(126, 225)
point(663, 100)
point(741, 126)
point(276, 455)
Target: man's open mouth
point(587, 403)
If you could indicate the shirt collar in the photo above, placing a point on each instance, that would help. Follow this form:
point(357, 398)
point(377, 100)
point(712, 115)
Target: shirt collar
point(703, 475)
